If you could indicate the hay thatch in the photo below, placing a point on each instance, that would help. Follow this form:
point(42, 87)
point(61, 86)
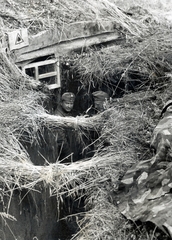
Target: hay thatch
point(99, 176)
point(126, 129)
point(38, 16)
point(18, 102)
point(150, 57)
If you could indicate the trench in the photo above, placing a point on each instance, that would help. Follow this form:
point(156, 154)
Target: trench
point(39, 215)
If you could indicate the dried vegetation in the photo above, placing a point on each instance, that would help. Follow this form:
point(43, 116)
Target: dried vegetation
point(126, 126)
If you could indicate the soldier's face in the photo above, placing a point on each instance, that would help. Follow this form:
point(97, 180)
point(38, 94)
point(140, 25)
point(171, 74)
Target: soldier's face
point(67, 106)
point(99, 105)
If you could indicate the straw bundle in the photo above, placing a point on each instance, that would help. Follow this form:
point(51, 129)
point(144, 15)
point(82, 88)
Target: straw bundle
point(18, 98)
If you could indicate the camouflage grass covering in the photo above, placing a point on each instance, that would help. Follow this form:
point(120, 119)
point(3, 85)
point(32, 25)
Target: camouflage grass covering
point(126, 128)
point(19, 14)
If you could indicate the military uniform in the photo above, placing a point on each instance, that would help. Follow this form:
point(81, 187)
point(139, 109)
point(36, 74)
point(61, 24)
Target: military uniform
point(70, 149)
point(99, 102)
point(68, 146)
point(69, 98)
point(146, 188)
point(162, 134)
point(100, 99)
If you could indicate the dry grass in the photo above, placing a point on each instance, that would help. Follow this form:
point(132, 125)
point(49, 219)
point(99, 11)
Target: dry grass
point(41, 15)
point(160, 9)
point(149, 56)
point(126, 127)
point(18, 101)
point(98, 177)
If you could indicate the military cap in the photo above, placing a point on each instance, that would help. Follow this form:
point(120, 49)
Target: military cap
point(68, 96)
point(164, 109)
point(100, 96)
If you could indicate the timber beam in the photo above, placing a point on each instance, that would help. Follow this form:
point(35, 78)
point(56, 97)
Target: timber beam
point(79, 36)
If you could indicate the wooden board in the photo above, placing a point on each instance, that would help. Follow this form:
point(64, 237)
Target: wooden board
point(65, 47)
point(69, 32)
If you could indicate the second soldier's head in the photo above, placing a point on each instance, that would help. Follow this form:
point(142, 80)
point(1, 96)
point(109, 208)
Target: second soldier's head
point(100, 98)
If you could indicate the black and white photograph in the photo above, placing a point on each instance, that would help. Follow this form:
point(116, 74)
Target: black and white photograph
point(85, 120)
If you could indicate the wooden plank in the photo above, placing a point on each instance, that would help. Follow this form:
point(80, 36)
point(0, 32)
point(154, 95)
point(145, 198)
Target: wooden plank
point(64, 48)
point(58, 72)
point(69, 32)
point(53, 86)
point(49, 74)
point(36, 73)
point(41, 63)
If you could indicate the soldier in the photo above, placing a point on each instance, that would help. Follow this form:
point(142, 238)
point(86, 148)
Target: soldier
point(100, 103)
point(146, 187)
point(100, 100)
point(162, 134)
point(67, 139)
point(66, 105)
point(70, 149)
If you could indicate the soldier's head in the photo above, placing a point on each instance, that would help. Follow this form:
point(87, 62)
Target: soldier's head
point(167, 109)
point(67, 101)
point(100, 98)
